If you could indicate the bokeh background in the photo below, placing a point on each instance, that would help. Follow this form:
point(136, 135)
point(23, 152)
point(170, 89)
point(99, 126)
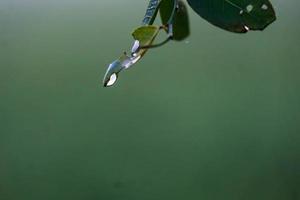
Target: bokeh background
point(214, 117)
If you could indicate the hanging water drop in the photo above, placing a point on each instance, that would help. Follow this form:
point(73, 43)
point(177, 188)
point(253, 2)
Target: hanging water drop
point(112, 79)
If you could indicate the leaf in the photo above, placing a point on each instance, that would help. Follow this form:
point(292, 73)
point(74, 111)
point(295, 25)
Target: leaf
point(181, 25)
point(145, 34)
point(236, 15)
point(165, 11)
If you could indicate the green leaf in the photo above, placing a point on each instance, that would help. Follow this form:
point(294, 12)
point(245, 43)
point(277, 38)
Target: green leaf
point(165, 10)
point(145, 34)
point(236, 15)
point(181, 25)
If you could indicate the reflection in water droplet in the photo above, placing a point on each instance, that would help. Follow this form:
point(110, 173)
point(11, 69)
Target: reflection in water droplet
point(135, 46)
point(112, 80)
point(131, 61)
point(264, 7)
point(135, 59)
point(249, 8)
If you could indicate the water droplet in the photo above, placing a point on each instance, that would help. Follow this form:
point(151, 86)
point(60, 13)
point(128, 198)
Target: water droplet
point(264, 7)
point(135, 59)
point(131, 61)
point(249, 8)
point(241, 12)
point(247, 28)
point(135, 46)
point(112, 79)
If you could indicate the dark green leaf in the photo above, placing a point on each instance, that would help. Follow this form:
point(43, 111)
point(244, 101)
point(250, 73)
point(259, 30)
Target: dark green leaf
point(236, 15)
point(165, 11)
point(181, 26)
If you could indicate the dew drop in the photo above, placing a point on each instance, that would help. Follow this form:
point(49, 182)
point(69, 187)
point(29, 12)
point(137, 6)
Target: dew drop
point(264, 7)
point(249, 8)
point(112, 80)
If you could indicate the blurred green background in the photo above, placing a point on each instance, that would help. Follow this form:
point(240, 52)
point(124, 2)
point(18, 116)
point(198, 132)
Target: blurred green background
point(214, 117)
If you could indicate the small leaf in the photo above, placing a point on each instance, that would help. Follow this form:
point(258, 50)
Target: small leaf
point(236, 15)
point(145, 34)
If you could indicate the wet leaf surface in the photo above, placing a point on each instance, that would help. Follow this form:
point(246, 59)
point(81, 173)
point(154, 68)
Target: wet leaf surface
point(236, 15)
